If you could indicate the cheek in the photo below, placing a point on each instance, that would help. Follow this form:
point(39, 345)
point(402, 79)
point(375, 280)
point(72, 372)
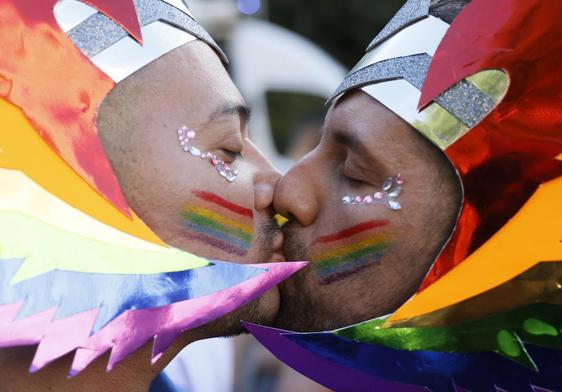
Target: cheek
point(358, 241)
point(216, 220)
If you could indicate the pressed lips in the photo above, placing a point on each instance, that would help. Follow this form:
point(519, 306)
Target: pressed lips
point(277, 247)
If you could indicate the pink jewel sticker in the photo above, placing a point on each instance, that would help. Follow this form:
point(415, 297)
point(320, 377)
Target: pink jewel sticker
point(388, 196)
point(185, 135)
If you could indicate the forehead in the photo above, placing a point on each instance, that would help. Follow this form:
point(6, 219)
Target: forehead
point(191, 76)
point(358, 113)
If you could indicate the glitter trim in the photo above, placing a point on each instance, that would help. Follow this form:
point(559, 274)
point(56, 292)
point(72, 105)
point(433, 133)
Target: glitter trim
point(467, 103)
point(411, 12)
point(99, 32)
point(412, 68)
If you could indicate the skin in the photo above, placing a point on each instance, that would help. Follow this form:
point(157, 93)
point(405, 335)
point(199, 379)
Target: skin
point(138, 124)
point(363, 143)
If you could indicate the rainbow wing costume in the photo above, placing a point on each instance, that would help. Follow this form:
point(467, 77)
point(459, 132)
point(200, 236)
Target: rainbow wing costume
point(488, 315)
point(79, 271)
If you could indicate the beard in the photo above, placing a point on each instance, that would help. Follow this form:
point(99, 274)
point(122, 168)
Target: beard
point(301, 307)
point(258, 312)
point(263, 309)
point(265, 234)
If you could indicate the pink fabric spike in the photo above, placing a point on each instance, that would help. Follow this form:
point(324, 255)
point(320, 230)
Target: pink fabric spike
point(185, 315)
point(82, 358)
point(161, 344)
point(132, 329)
point(26, 331)
point(60, 338)
point(9, 312)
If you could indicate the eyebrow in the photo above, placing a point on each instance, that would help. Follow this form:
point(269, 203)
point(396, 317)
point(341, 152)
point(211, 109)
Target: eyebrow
point(355, 144)
point(351, 141)
point(236, 109)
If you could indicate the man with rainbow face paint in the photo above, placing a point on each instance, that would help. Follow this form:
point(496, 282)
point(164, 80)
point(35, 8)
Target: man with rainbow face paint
point(432, 208)
point(123, 147)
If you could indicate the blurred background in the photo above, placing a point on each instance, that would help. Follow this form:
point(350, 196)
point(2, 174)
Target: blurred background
point(286, 57)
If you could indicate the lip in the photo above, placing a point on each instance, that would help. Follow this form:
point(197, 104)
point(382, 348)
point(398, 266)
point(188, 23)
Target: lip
point(277, 247)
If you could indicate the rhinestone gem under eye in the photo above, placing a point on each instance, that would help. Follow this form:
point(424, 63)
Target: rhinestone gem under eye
point(391, 190)
point(186, 135)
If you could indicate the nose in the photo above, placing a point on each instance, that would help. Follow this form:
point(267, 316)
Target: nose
point(265, 180)
point(264, 187)
point(296, 193)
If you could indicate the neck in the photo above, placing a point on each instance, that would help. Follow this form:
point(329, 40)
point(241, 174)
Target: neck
point(133, 374)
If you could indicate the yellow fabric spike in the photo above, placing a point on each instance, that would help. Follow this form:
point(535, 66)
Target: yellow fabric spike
point(19, 193)
point(280, 220)
point(21, 148)
point(45, 247)
point(533, 235)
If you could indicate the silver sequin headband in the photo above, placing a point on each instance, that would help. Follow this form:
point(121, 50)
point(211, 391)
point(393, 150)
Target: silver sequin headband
point(395, 67)
point(165, 25)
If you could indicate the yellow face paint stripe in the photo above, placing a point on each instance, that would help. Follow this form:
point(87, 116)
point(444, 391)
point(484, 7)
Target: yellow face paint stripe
point(532, 236)
point(19, 193)
point(45, 247)
point(218, 218)
point(341, 251)
point(22, 149)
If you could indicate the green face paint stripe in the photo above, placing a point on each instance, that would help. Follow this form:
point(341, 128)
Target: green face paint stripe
point(329, 263)
point(201, 220)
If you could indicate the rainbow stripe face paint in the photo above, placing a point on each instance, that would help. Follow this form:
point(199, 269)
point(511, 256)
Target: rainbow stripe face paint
point(388, 196)
point(339, 255)
point(219, 223)
point(186, 135)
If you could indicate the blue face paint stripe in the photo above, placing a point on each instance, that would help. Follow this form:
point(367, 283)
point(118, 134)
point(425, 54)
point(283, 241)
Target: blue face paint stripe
point(351, 265)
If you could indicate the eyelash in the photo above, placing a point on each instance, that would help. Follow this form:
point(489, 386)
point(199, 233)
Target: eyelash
point(232, 155)
point(352, 180)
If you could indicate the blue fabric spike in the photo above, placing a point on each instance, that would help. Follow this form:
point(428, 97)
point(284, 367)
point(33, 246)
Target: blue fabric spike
point(440, 372)
point(76, 292)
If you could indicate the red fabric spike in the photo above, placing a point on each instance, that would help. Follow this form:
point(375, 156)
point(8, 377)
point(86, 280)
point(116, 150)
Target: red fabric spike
point(37, 57)
point(122, 12)
point(504, 159)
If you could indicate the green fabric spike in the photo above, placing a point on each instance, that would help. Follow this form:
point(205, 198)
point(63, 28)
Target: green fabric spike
point(503, 333)
point(45, 247)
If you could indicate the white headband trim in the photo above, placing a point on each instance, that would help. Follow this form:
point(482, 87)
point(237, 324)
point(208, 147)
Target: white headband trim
point(125, 57)
point(394, 71)
point(421, 37)
point(165, 26)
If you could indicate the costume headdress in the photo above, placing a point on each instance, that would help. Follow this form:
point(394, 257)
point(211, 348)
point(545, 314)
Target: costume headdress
point(79, 271)
point(487, 91)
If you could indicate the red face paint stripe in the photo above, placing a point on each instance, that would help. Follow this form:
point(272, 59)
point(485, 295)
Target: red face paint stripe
point(350, 231)
point(216, 199)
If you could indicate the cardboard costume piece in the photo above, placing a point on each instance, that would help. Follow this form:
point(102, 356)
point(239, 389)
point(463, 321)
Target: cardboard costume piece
point(79, 271)
point(486, 316)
